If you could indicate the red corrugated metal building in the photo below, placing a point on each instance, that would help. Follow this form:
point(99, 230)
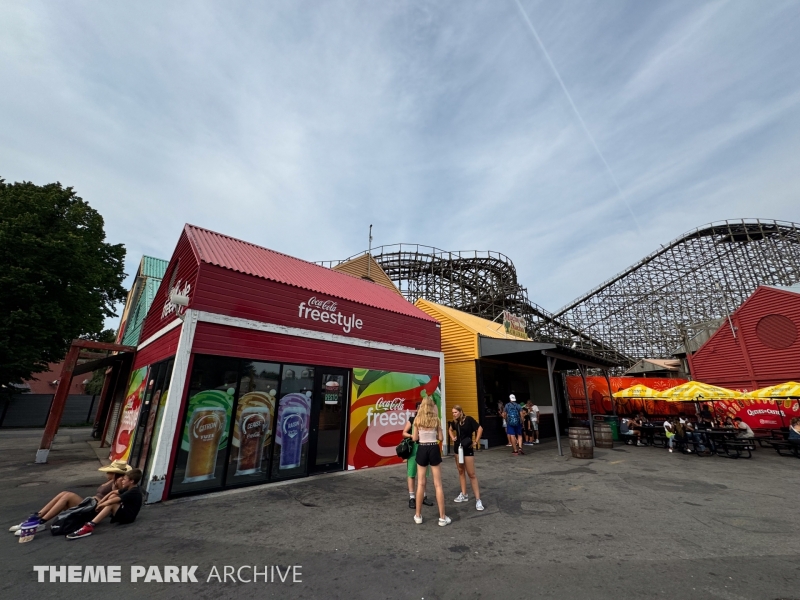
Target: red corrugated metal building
point(255, 366)
point(758, 347)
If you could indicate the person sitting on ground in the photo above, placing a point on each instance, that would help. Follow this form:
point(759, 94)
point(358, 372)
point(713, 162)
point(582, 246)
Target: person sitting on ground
point(65, 500)
point(122, 504)
point(743, 429)
point(794, 429)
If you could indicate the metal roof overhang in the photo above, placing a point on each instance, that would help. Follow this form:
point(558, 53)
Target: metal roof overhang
point(535, 354)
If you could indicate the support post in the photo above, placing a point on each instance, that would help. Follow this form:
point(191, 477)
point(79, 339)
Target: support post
point(610, 393)
point(57, 407)
point(551, 365)
point(582, 369)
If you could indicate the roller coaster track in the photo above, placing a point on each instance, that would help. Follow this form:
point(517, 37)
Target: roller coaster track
point(482, 283)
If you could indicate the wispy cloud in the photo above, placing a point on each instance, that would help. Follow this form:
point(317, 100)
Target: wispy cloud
point(296, 124)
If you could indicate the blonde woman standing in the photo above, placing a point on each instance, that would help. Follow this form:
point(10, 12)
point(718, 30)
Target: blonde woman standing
point(427, 432)
point(461, 429)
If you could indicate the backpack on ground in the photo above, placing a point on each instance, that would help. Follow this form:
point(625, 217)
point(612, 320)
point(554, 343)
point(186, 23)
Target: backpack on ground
point(512, 414)
point(74, 518)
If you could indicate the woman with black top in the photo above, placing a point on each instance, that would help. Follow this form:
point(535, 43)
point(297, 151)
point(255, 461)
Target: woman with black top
point(461, 429)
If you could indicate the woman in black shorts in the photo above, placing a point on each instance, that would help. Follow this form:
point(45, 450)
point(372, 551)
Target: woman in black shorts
point(461, 429)
point(427, 432)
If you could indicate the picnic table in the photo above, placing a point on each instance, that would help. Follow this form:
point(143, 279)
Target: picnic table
point(725, 442)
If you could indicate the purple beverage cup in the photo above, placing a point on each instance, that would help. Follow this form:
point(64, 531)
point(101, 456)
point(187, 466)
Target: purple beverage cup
point(292, 428)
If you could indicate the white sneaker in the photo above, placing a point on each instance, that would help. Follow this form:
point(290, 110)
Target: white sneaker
point(418, 519)
point(670, 450)
point(461, 498)
point(478, 505)
point(535, 441)
point(445, 521)
point(18, 530)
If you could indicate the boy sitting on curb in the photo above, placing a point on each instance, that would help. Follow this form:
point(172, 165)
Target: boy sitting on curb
point(123, 505)
point(66, 500)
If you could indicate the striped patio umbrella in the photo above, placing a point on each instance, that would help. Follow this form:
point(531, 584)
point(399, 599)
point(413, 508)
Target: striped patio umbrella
point(790, 389)
point(695, 391)
point(638, 391)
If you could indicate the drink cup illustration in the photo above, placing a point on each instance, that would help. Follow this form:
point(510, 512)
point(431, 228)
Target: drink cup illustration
point(332, 392)
point(254, 423)
point(205, 430)
point(292, 430)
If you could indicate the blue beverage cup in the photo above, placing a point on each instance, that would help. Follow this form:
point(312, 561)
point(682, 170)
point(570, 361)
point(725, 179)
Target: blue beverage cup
point(292, 432)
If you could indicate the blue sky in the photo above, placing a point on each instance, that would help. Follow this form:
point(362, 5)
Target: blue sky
point(297, 124)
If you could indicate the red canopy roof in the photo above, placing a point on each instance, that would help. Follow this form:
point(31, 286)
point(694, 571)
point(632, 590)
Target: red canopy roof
point(237, 255)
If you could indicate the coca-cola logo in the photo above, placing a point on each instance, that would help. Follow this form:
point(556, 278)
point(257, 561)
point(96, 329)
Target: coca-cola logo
point(326, 312)
point(253, 424)
point(322, 304)
point(395, 404)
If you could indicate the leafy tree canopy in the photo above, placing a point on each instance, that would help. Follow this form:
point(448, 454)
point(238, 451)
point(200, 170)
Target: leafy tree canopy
point(59, 279)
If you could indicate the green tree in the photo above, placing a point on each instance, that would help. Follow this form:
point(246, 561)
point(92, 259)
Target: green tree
point(59, 279)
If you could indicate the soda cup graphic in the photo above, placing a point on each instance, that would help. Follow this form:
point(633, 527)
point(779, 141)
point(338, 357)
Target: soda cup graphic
point(205, 430)
point(332, 392)
point(292, 429)
point(254, 423)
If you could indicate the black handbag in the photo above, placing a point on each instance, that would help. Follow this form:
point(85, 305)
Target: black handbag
point(74, 518)
point(405, 448)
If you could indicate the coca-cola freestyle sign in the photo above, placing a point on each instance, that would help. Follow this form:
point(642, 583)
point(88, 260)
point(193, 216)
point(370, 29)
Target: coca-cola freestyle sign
point(326, 311)
point(381, 404)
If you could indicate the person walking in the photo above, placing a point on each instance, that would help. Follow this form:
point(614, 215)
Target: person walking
point(427, 432)
point(411, 467)
point(511, 414)
point(533, 416)
point(461, 429)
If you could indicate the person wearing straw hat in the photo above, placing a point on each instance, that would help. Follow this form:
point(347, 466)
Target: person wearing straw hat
point(65, 500)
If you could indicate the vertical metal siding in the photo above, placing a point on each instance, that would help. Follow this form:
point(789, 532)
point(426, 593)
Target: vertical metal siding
point(462, 386)
point(458, 342)
point(720, 361)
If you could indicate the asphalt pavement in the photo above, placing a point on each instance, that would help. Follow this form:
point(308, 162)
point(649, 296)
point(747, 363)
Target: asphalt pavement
point(630, 523)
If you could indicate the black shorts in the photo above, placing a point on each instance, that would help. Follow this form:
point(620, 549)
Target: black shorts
point(468, 450)
point(429, 455)
point(123, 517)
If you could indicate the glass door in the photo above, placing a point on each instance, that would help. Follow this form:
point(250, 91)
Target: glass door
point(328, 414)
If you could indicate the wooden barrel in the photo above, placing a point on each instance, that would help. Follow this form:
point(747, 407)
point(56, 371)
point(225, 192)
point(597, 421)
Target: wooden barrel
point(580, 442)
point(603, 436)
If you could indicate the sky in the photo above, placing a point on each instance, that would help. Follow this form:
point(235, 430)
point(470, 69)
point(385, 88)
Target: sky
point(575, 137)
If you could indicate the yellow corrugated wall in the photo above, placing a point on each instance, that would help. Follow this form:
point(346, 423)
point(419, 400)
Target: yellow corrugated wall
point(460, 347)
point(462, 386)
point(458, 342)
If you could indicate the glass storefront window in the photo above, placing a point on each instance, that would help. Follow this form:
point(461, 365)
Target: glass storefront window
point(200, 463)
point(253, 423)
point(292, 425)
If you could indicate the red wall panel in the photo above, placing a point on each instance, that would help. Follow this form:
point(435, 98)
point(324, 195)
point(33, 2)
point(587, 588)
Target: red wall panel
point(232, 341)
point(187, 266)
point(162, 348)
point(746, 361)
point(234, 294)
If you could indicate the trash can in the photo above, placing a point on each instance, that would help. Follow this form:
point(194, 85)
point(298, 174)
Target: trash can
point(613, 422)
